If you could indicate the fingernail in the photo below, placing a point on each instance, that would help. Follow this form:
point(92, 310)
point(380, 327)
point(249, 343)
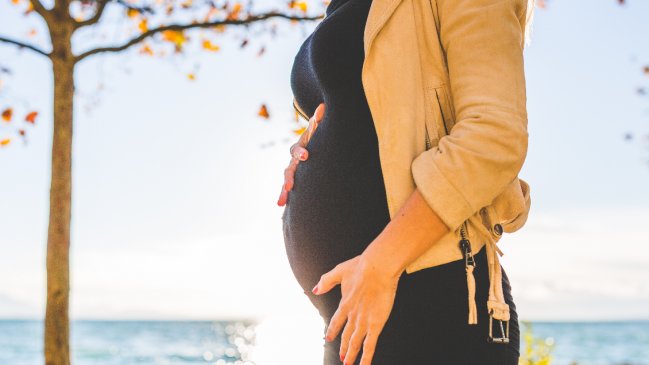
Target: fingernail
point(315, 289)
point(327, 338)
point(342, 358)
point(302, 154)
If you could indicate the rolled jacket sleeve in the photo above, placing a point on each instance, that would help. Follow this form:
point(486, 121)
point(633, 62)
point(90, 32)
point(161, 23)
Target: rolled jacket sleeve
point(486, 148)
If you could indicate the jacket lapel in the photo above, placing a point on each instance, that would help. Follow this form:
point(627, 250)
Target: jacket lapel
point(380, 12)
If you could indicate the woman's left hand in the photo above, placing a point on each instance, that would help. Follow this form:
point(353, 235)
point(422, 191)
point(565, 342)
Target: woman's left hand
point(368, 293)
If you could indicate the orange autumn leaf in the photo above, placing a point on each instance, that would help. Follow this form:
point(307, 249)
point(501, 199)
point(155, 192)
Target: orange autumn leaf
point(132, 13)
point(4, 142)
point(31, 117)
point(32, 32)
point(176, 37)
point(234, 13)
point(191, 76)
point(299, 131)
point(263, 112)
point(15, 2)
point(7, 114)
point(646, 70)
point(146, 50)
point(301, 5)
point(21, 132)
point(29, 9)
point(212, 12)
point(210, 46)
point(220, 28)
point(142, 26)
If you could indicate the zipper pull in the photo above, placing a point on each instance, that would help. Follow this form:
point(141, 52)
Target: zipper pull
point(465, 246)
point(469, 264)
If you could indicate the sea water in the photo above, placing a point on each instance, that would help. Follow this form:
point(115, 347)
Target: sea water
point(234, 342)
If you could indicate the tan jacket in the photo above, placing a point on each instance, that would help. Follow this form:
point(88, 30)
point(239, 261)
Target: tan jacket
point(445, 84)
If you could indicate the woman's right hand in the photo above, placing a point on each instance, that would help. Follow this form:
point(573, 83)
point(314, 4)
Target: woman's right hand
point(299, 153)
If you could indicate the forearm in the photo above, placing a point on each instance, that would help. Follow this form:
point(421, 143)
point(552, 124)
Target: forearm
point(412, 231)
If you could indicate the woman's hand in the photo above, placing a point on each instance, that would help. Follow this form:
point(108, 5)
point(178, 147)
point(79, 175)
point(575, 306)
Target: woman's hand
point(299, 153)
point(368, 293)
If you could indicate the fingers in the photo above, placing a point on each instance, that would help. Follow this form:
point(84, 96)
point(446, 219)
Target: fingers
point(369, 346)
point(299, 152)
point(319, 113)
point(289, 174)
point(314, 121)
point(329, 280)
point(345, 338)
point(354, 345)
point(336, 323)
point(283, 197)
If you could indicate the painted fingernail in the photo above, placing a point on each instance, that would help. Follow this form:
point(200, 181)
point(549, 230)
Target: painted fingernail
point(315, 289)
point(342, 358)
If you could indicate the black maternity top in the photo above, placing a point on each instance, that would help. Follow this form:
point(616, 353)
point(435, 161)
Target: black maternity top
point(338, 206)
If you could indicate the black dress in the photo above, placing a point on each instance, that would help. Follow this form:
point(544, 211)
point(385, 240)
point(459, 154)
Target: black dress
point(338, 206)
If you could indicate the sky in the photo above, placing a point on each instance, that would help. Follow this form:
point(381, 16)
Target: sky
point(176, 181)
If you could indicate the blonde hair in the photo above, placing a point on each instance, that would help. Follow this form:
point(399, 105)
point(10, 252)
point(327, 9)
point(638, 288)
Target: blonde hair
point(529, 17)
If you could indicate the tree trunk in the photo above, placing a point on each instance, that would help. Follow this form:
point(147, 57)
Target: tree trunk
point(57, 325)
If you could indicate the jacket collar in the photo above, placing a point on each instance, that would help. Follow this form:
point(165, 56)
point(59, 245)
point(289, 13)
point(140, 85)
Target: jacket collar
point(380, 12)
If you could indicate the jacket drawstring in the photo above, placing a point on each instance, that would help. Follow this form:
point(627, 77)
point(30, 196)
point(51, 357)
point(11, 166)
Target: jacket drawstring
point(496, 304)
point(473, 311)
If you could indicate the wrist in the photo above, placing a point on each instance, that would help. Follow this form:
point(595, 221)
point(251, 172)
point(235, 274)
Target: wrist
point(378, 259)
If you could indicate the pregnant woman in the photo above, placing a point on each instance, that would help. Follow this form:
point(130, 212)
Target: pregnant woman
point(346, 251)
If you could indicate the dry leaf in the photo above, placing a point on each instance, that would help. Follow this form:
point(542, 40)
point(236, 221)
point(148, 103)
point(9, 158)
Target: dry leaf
point(31, 117)
point(210, 46)
point(299, 131)
point(7, 114)
point(176, 37)
point(263, 112)
point(142, 26)
point(132, 13)
point(146, 49)
point(301, 5)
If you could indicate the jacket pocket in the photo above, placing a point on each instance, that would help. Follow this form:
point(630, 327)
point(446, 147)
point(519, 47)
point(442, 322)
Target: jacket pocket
point(446, 109)
point(440, 116)
point(509, 210)
point(432, 116)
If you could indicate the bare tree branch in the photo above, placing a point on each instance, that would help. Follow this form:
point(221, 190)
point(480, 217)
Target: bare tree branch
point(179, 27)
point(40, 9)
point(24, 45)
point(101, 5)
point(141, 9)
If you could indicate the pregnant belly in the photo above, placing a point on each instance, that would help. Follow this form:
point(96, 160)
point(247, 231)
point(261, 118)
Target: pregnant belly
point(337, 205)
